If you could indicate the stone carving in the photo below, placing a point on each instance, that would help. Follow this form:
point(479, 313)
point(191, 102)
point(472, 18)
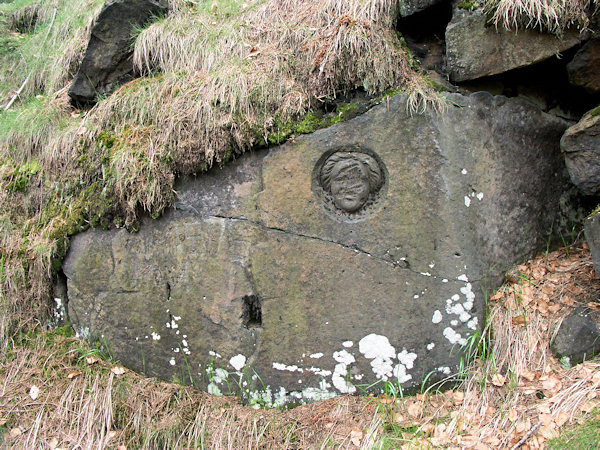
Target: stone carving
point(348, 181)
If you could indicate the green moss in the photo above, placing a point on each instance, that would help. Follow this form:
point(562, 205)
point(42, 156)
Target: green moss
point(595, 112)
point(469, 5)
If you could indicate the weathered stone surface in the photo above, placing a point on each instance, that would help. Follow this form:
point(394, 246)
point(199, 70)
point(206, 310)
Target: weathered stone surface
point(592, 236)
point(578, 337)
point(409, 7)
point(351, 256)
point(581, 146)
point(475, 49)
point(584, 69)
point(107, 62)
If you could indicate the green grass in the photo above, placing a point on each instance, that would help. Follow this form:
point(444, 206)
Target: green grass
point(579, 437)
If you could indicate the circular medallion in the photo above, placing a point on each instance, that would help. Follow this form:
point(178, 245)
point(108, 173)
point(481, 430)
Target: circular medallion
point(350, 183)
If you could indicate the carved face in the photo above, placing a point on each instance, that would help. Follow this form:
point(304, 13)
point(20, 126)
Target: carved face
point(350, 185)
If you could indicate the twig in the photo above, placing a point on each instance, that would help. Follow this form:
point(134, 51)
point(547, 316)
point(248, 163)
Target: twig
point(527, 436)
point(12, 100)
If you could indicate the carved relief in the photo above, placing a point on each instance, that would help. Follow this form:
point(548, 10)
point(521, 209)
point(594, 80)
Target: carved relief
point(348, 181)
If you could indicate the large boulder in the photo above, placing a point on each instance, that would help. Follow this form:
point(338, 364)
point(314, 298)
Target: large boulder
point(581, 146)
point(108, 58)
point(584, 68)
point(475, 48)
point(353, 256)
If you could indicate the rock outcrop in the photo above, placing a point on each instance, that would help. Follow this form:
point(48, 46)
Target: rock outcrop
point(409, 7)
point(476, 49)
point(581, 146)
point(108, 58)
point(355, 255)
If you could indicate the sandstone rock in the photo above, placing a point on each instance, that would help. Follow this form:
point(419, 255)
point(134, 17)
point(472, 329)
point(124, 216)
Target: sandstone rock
point(581, 146)
point(592, 236)
point(352, 256)
point(578, 337)
point(584, 69)
point(107, 62)
point(475, 49)
point(409, 7)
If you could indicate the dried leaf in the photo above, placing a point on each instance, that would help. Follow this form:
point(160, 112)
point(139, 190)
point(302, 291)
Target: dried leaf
point(118, 370)
point(414, 409)
point(15, 432)
point(356, 436)
point(34, 392)
point(498, 380)
point(53, 443)
point(91, 360)
point(73, 374)
point(458, 397)
point(384, 399)
point(554, 307)
point(519, 320)
point(528, 375)
point(513, 414)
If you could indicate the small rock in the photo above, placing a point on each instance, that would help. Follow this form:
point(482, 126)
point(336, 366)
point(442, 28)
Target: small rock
point(584, 69)
point(581, 146)
point(578, 337)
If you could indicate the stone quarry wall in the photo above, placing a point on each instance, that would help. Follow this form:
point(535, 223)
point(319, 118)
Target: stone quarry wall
point(353, 256)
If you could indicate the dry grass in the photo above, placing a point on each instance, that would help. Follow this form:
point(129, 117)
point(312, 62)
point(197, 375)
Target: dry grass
point(552, 16)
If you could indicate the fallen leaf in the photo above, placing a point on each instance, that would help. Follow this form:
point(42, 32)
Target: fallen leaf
point(528, 375)
point(356, 436)
point(15, 432)
point(385, 399)
point(34, 392)
point(53, 443)
point(543, 408)
point(498, 380)
point(513, 414)
point(519, 320)
point(554, 308)
point(414, 409)
point(561, 419)
point(118, 370)
point(91, 360)
point(73, 374)
point(458, 397)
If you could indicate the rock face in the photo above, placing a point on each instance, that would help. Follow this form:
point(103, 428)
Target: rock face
point(475, 49)
point(581, 146)
point(584, 69)
point(107, 62)
point(409, 7)
point(578, 337)
point(352, 256)
point(592, 237)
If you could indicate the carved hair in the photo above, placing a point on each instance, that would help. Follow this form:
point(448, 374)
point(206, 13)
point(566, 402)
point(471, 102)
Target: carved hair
point(366, 161)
